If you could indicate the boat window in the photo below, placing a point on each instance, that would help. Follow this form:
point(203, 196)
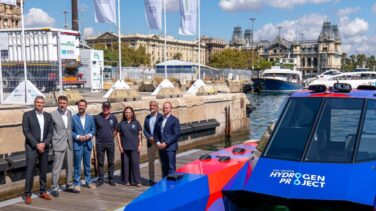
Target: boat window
point(367, 146)
point(336, 132)
point(290, 137)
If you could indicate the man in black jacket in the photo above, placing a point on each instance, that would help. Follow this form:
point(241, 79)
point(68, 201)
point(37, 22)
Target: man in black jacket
point(37, 127)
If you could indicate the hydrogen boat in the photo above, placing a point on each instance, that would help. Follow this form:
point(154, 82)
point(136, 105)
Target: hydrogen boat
point(321, 155)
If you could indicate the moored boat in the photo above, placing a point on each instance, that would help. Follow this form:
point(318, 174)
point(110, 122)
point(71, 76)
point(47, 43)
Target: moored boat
point(278, 79)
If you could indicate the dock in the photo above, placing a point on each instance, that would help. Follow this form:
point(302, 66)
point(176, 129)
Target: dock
point(105, 197)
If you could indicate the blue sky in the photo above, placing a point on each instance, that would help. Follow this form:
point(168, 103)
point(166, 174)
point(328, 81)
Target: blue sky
point(299, 18)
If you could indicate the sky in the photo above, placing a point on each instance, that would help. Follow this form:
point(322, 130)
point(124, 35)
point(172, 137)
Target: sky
point(299, 19)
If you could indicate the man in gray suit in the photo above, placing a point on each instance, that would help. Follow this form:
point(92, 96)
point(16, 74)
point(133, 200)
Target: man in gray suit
point(62, 145)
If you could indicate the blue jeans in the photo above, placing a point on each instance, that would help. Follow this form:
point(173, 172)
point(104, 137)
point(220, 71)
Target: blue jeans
point(83, 152)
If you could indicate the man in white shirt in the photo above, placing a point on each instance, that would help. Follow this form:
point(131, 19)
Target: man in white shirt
point(38, 130)
point(83, 129)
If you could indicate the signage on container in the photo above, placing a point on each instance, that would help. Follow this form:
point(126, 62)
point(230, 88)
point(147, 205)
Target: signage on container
point(68, 47)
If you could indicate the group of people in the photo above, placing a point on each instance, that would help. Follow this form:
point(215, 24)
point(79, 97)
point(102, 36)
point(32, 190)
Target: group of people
point(70, 139)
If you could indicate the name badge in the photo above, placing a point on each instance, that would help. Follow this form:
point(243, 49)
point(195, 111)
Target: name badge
point(133, 126)
point(111, 121)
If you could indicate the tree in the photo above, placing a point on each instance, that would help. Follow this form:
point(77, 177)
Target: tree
point(231, 58)
point(178, 56)
point(131, 57)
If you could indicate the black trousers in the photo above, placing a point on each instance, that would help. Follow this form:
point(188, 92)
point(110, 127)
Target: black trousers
point(31, 160)
point(168, 159)
point(130, 167)
point(108, 149)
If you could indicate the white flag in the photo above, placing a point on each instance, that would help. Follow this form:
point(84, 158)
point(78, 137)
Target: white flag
point(153, 12)
point(11, 2)
point(188, 17)
point(105, 11)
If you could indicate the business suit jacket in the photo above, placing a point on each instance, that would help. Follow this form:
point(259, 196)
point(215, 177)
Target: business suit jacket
point(31, 130)
point(147, 131)
point(77, 129)
point(62, 136)
point(170, 133)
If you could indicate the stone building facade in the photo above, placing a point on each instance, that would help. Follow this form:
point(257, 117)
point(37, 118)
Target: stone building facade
point(213, 45)
point(10, 16)
point(154, 44)
point(312, 56)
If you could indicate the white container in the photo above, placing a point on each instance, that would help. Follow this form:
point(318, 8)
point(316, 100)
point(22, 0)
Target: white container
point(40, 44)
point(92, 68)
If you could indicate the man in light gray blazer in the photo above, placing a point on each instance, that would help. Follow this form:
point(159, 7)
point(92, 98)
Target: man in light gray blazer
point(62, 145)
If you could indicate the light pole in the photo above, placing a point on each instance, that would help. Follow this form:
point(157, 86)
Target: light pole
point(252, 50)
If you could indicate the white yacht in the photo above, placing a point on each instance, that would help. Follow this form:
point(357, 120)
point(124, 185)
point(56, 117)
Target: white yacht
point(355, 79)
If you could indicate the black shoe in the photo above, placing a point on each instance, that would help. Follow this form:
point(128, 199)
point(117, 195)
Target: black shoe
point(72, 190)
point(99, 183)
point(112, 183)
point(151, 183)
point(54, 193)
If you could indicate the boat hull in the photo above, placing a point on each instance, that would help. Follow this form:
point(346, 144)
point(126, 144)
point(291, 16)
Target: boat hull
point(200, 185)
point(295, 185)
point(274, 85)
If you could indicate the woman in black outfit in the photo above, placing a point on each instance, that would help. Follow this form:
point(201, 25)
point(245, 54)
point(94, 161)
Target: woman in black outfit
point(129, 139)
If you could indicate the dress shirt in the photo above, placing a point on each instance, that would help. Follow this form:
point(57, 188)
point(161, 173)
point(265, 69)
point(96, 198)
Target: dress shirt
point(40, 118)
point(152, 123)
point(64, 116)
point(164, 121)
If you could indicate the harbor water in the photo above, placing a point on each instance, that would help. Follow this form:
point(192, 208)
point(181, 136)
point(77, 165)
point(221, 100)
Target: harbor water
point(268, 107)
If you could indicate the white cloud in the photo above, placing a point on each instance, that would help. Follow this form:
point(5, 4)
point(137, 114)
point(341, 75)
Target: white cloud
point(374, 8)
point(38, 18)
point(234, 5)
point(308, 25)
point(354, 27)
point(354, 35)
point(347, 11)
point(88, 31)
point(354, 32)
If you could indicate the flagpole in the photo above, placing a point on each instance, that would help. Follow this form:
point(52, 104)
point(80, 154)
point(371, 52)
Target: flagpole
point(165, 36)
point(119, 65)
point(23, 48)
point(199, 39)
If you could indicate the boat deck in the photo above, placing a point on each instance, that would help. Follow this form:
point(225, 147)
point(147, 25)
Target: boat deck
point(105, 197)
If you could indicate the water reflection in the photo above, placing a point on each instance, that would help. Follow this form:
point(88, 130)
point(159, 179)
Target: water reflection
point(268, 107)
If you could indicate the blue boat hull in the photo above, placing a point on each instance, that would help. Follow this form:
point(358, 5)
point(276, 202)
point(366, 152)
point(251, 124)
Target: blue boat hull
point(274, 85)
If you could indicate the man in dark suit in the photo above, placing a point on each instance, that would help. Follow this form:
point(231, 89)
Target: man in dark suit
point(149, 130)
point(37, 127)
point(167, 135)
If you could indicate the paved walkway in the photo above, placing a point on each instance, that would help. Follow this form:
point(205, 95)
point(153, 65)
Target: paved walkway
point(105, 197)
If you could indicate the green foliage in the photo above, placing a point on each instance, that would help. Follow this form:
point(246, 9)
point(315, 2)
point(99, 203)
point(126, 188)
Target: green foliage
point(131, 57)
point(238, 59)
point(178, 56)
point(349, 63)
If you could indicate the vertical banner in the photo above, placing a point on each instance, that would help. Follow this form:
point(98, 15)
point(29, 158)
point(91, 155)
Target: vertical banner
point(105, 11)
point(10, 2)
point(153, 13)
point(188, 17)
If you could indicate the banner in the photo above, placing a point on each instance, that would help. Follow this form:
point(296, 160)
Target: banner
point(4, 45)
point(10, 2)
point(153, 13)
point(105, 11)
point(69, 47)
point(188, 17)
